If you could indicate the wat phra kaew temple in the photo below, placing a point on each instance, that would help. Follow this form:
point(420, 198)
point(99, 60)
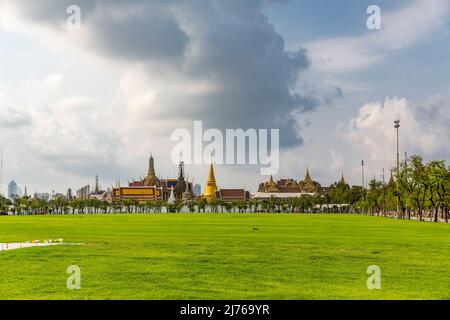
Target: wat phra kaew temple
point(152, 188)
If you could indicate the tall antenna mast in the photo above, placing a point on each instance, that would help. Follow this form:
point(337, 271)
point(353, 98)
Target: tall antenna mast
point(1, 172)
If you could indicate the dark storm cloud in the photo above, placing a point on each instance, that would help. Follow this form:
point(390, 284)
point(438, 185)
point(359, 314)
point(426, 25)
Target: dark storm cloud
point(135, 30)
point(162, 39)
point(230, 44)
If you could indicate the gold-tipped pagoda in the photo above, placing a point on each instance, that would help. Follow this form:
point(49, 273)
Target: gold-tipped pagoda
point(211, 186)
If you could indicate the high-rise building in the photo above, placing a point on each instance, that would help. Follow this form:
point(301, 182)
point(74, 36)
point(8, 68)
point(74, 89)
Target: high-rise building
point(42, 195)
point(12, 190)
point(69, 194)
point(97, 186)
point(84, 192)
point(197, 189)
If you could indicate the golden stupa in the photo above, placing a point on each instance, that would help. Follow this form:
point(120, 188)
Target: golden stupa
point(211, 187)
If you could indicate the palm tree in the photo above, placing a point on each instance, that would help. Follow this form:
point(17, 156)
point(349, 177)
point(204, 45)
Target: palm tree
point(4, 205)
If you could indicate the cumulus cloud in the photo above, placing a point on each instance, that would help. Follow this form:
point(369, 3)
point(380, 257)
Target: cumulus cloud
point(424, 129)
point(68, 131)
point(220, 61)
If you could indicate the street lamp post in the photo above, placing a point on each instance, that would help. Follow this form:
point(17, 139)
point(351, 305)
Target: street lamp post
point(363, 183)
point(384, 194)
point(397, 126)
point(363, 186)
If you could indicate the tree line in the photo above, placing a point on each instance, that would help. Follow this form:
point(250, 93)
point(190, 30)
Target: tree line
point(417, 191)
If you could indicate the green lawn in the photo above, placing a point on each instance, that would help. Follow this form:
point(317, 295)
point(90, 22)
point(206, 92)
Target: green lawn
point(221, 256)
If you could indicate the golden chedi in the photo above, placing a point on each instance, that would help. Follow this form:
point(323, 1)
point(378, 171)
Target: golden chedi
point(211, 186)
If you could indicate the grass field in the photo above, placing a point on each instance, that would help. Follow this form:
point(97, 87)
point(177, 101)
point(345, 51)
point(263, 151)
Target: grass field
point(222, 256)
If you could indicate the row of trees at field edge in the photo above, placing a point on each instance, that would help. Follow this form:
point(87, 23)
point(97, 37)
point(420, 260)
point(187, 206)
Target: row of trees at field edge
point(419, 191)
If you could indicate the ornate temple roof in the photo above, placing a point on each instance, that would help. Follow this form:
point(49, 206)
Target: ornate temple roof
point(308, 185)
point(290, 186)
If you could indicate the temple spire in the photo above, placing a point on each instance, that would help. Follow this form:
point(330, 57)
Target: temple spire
point(342, 178)
point(391, 182)
point(272, 186)
point(187, 195)
point(308, 185)
point(211, 186)
point(307, 176)
point(151, 179)
point(181, 171)
point(211, 177)
point(171, 199)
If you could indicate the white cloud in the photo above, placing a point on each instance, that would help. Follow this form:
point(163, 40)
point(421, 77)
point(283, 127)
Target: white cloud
point(66, 130)
point(424, 130)
point(337, 160)
point(418, 22)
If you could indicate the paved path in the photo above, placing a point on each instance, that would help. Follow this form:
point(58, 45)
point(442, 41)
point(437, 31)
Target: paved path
point(29, 244)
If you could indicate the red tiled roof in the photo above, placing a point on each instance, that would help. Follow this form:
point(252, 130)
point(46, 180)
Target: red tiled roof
point(232, 193)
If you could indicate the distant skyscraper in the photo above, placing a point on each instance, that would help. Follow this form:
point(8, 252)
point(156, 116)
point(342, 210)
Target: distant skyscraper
point(69, 194)
point(84, 192)
point(12, 189)
point(43, 196)
point(197, 189)
point(1, 172)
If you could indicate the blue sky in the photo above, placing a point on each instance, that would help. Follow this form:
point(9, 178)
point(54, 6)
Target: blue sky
point(301, 21)
point(100, 99)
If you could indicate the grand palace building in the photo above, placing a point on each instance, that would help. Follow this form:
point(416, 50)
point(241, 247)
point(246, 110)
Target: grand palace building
point(289, 188)
point(152, 188)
